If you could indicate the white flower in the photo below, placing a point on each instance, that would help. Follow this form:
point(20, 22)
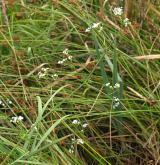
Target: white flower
point(93, 26)
point(16, 119)
point(43, 72)
point(73, 139)
point(110, 87)
point(20, 118)
point(44, 69)
point(64, 60)
point(116, 105)
point(70, 57)
point(107, 84)
point(126, 22)
point(60, 62)
point(118, 11)
point(75, 122)
point(116, 102)
point(65, 51)
point(85, 125)
point(55, 75)
point(117, 85)
point(80, 141)
point(9, 102)
point(88, 29)
point(71, 150)
point(116, 98)
point(40, 74)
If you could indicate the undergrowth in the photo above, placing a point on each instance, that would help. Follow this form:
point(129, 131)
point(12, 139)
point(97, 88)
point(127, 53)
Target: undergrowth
point(79, 82)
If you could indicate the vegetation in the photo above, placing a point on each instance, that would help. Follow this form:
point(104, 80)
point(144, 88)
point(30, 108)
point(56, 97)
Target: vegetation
point(79, 82)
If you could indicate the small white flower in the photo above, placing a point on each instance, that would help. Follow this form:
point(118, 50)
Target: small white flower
point(40, 74)
point(43, 72)
point(13, 119)
point(80, 141)
point(116, 99)
point(110, 87)
point(116, 105)
point(9, 101)
point(118, 11)
point(117, 85)
point(64, 60)
point(116, 102)
point(107, 84)
point(75, 122)
point(16, 119)
point(44, 69)
point(73, 139)
point(88, 29)
point(20, 118)
point(93, 26)
point(72, 146)
point(60, 62)
point(85, 125)
point(70, 57)
point(65, 51)
point(71, 151)
point(126, 22)
point(54, 76)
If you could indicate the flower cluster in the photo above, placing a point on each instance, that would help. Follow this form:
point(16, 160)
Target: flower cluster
point(78, 140)
point(8, 101)
point(75, 121)
point(116, 85)
point(126, 22)
point(93, 26)
point(65, 59)
point(116, 102)
point(54, 76)
point(84, 125)
point(43, 72)
point(71, 150)
point(65, 51)
point(118, 11)
point(16, 119)
point(78, 123)
point(75, 141)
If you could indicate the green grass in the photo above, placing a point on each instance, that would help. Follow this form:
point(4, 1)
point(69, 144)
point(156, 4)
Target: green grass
point(37, 34)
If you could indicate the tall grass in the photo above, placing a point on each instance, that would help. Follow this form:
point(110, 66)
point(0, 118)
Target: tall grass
point(122, 122)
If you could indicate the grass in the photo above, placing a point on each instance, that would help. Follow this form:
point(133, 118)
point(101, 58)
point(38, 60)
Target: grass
point(34, 35)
